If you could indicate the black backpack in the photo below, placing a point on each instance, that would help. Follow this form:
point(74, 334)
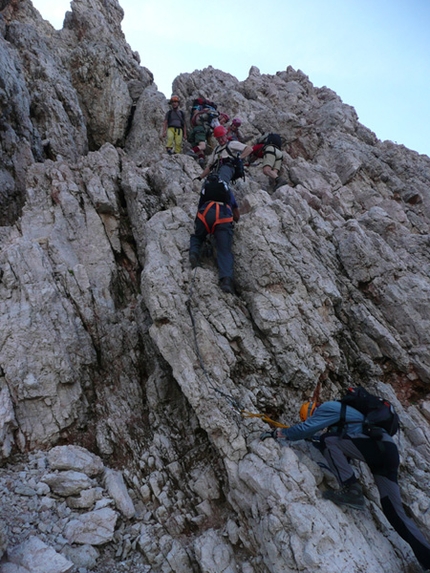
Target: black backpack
point(271, 139)
point(379, 414)
point(215, 189)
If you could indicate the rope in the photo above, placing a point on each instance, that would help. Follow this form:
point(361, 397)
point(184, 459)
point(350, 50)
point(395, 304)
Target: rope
point(233, 403)
point(264, 418)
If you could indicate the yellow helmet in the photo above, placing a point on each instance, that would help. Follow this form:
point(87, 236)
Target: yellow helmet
point(306, 410)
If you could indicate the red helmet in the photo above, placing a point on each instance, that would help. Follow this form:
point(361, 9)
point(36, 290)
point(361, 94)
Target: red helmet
point(220, 131)
point(224, 116)
point(236, 121)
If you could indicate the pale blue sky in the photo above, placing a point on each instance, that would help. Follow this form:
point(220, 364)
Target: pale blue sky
point(375, 54)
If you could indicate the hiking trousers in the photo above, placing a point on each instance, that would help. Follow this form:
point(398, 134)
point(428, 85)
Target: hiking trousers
point(223, 233)
point(382, 457)
point(225, 172)
point(174, 137)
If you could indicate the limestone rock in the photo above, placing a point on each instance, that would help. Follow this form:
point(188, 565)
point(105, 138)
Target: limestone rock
point(74, 458)
point(34, 555)
point(116, 488)
point(93, 528)
point(68, 482)
point(113, 348)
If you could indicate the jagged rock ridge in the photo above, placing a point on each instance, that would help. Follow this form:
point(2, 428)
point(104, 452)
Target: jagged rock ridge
point(97, 347)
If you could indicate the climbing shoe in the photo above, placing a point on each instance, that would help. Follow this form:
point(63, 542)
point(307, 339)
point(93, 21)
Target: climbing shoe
point(279, 181)
point(350, 495)
point(226, 285)
point(194, 260)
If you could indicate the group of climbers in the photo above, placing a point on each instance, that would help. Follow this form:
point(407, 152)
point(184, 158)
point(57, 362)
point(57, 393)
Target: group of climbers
point(337, 430)
point(217, 208)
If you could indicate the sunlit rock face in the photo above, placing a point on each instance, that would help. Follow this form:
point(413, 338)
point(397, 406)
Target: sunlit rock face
point(110, 343)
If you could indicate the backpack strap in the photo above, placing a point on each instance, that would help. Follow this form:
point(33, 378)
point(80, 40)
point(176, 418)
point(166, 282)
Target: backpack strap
point(342, 424)
point(180, 115)
point(217, 152)
point(268, 151)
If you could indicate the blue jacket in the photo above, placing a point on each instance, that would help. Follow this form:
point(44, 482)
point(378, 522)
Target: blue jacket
point(328, 414)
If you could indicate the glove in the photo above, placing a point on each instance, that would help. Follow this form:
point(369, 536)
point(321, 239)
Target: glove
point(199, 178)
point(266, 435)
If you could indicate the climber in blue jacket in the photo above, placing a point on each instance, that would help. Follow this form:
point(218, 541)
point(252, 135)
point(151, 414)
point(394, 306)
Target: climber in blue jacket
point(344, 441)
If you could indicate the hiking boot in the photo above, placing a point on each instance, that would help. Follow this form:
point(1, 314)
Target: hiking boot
point(350, 495)
point(169, 151)
point(194, 260)
point(226, 285)
point(279, 181)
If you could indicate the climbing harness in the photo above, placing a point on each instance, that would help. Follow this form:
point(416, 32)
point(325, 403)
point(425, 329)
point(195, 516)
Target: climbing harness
point(218, 219)
point(232, 401)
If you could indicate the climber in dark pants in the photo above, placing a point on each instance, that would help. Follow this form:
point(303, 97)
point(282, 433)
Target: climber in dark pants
point(381, 456)
point(215, 216)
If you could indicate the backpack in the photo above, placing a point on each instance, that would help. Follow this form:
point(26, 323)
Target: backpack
point(379, 414)
point(271, 139)
point(201, 103)
point(215, 189)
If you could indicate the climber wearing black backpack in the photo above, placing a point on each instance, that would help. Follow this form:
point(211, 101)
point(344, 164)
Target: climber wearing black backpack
point(174, 127)
point(217, 209)
point(268, 148)
point(226, 158)
point(365, 436)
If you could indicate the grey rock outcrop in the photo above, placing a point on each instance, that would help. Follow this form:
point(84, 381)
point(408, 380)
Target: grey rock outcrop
point(98, 359)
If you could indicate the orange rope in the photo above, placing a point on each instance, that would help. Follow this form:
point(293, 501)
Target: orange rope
point(264, 418)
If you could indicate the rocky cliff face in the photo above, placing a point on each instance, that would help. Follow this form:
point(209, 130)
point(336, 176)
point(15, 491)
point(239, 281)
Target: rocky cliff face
point(97, 345)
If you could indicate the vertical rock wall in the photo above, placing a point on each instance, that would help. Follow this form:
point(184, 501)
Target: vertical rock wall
point(97, 346)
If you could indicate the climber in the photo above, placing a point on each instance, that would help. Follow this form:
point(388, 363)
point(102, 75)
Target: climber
point(217, 209)
point(233, 133)
point(174, 126)
point(381, 456)
point(204, 118)
point(268, 147)
point(223, 156)
point(223, 119)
